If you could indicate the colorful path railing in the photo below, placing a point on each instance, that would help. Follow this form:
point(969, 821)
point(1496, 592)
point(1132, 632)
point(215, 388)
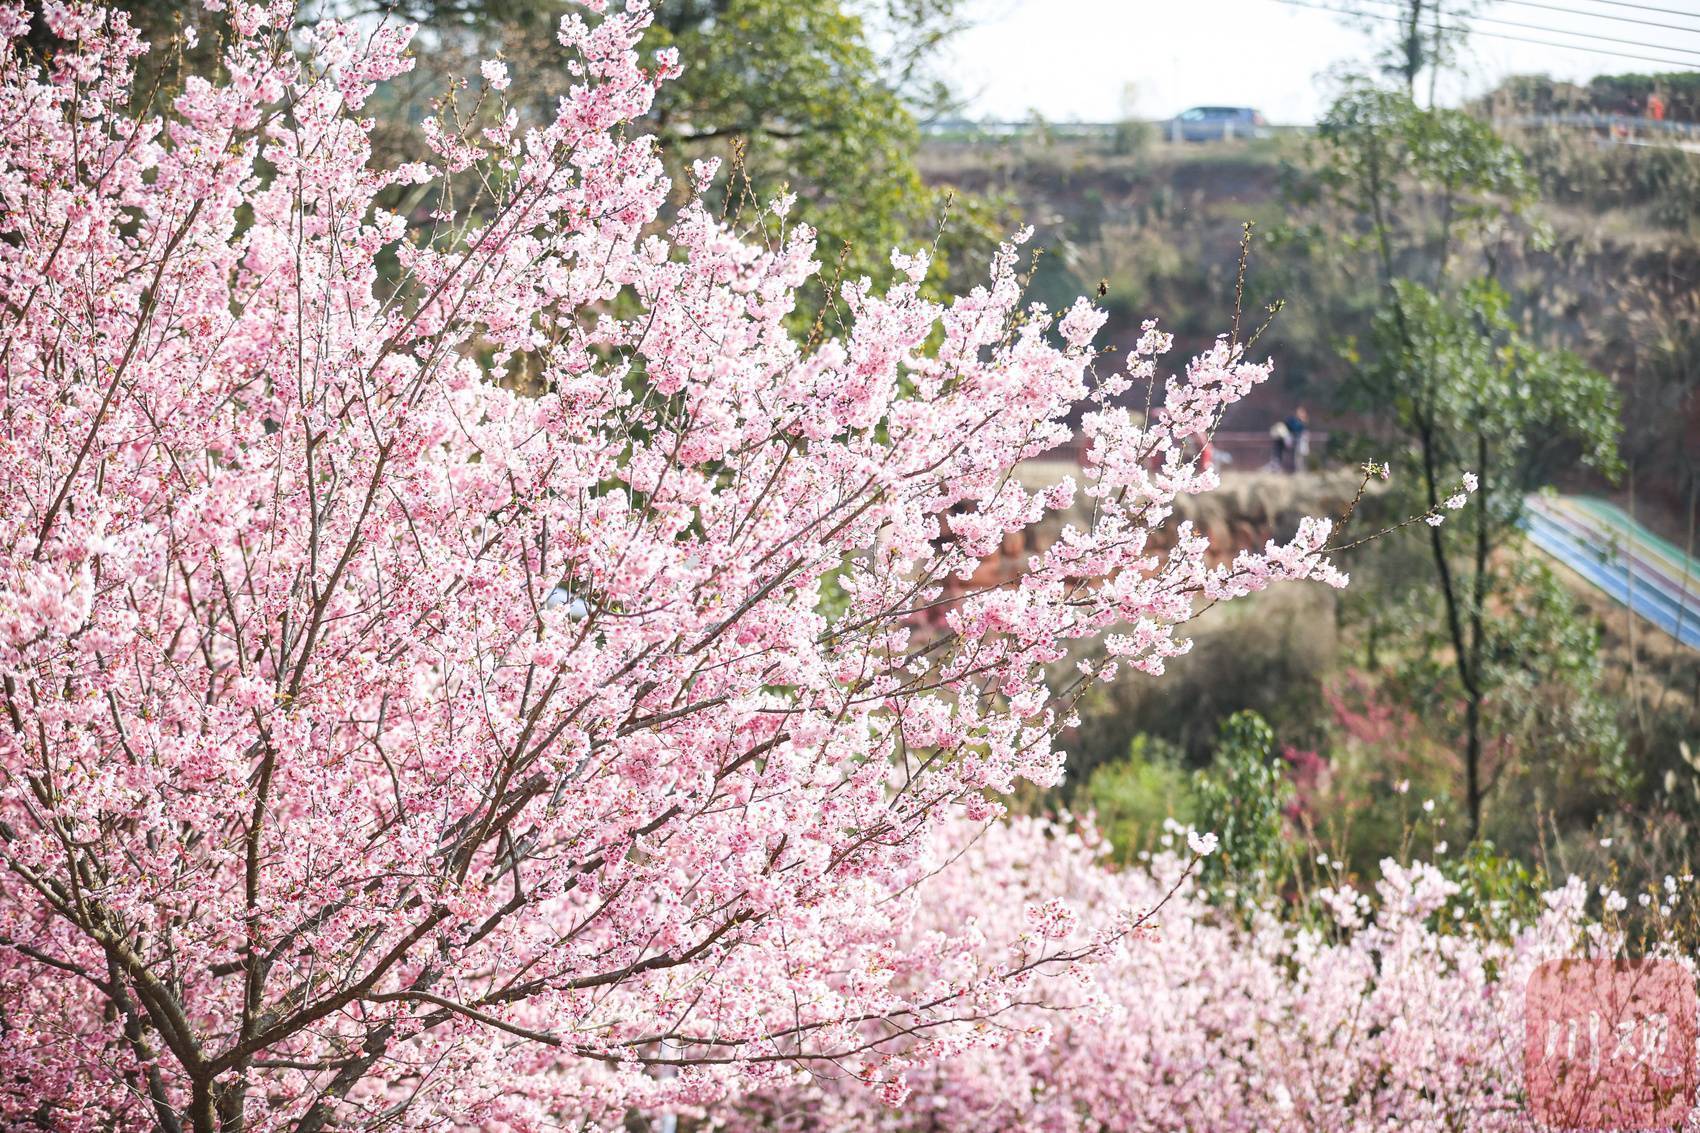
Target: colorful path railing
point(1627, 562)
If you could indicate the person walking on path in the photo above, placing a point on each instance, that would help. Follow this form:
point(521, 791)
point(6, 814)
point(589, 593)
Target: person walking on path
point(1280, 439)
point(1298, 430)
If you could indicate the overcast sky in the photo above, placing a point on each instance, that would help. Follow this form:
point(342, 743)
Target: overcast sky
point(1098, 60)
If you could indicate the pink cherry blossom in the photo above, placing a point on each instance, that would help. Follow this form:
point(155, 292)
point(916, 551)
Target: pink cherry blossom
point(1378, 1017)
point(383, 745)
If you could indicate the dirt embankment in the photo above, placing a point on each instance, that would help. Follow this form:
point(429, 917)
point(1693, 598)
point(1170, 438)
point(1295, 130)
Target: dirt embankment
point(1248, 510)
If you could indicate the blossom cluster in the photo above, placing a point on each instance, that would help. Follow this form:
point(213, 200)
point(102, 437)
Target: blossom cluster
point(382, 744)
point(1382, 1013)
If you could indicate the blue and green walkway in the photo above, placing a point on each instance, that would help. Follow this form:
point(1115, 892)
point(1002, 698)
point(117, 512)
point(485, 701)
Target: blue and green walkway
point(1599, 541)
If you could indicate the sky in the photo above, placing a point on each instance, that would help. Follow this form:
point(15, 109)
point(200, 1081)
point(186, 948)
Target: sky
point(1104, 60)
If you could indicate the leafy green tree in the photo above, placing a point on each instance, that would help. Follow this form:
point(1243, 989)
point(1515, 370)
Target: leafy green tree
point(1455, 383)
point(1242, 797)
point(1416, 184)
point(816, 97)
point(801, 86)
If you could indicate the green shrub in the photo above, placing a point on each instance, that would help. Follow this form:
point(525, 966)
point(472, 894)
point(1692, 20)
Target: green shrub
point(1133, 796)
point(1243, 798)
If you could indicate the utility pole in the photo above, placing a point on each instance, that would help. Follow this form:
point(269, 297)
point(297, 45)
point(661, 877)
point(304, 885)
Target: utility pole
point(1413, 62)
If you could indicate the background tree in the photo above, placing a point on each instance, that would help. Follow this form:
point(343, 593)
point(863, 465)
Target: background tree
point(1243, 797)
point(1417, 37)
point(1429, 200)
point(816, 97)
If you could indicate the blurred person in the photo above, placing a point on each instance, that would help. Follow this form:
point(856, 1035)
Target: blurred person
point(1280, 440)
point(1205, 450)
point(1298, 429)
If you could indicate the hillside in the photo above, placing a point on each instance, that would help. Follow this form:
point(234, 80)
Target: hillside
point(1615, 277)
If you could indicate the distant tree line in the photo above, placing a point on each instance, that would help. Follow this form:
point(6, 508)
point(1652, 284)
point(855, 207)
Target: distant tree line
point(1603, 94)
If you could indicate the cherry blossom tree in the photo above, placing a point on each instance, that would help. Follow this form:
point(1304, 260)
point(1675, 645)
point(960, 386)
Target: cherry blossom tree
point(384, 745)
point(1380, 1012)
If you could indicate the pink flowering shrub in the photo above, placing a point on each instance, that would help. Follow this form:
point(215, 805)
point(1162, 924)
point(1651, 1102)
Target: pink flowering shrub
point(1389, 1019)
point(381, 746)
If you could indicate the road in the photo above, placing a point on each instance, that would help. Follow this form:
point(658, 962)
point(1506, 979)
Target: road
point(1630, 564)
point(1611, 129)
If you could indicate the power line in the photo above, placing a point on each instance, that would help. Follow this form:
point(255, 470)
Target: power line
point(1647, 8)
point(1601, 15)
point(1567, 31)
point(1549, 30)
point(1503, 35)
